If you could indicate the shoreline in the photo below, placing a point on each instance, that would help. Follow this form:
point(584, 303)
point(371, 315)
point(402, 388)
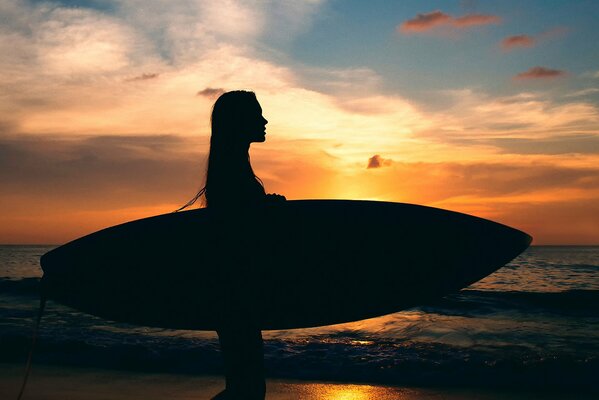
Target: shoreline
point(58, 383)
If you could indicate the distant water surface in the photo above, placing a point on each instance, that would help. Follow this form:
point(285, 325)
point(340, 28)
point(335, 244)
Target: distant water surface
point(534, 322)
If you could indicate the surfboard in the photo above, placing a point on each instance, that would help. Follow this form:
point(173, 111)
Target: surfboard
point(293, 264)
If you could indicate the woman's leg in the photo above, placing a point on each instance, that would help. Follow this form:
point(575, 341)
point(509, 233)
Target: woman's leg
point(243, 353)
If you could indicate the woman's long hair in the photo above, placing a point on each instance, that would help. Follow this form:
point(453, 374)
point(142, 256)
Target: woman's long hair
point(229, 159)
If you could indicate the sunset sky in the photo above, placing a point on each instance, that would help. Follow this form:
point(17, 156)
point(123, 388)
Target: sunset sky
point(484, 107)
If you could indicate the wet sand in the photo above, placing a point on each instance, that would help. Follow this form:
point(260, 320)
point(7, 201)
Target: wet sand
point(59, 383)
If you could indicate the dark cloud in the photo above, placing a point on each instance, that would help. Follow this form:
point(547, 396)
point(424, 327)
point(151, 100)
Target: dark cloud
point(211, 93)
point(552, 145)
point(428, 21)
point(60, 176)
point(8, 127)
point(540, 73)
point(511, 42)
point(377, 161)
point(101, 172)
point(582, 144)
point(143, 77)
point(58, 188)
point(505, 179)
point(437, 182)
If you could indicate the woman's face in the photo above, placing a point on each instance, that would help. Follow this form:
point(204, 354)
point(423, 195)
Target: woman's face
point(256, 124)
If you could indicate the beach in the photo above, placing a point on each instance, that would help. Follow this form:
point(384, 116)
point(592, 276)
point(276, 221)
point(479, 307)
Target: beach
point(58, 383)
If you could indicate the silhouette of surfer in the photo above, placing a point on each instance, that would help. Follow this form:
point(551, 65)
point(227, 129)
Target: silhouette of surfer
point(233, 191)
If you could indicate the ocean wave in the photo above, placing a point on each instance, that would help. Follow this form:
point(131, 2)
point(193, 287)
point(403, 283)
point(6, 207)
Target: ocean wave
point(24, 286)
point(591, 267)
point(571, 302)
point(399, 363)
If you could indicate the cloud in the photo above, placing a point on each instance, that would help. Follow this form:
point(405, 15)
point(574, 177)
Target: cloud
point(474, 20)
point(80, 41)
point(211, 93)
point(425, 22)
point(590, 74)
point(341, 82)
point(233, 19)
point(85, 181)
point(520, 192)
point(540, 73)
point(570, 144)
point(429, 21)
point(439, 182)
point(512, 42)
point(91, 170)
point(377, 161)
point(583, 92)
point(515, 41)
point(474, 117)
point(89, 182)
point(552, 145)
point(143, 77)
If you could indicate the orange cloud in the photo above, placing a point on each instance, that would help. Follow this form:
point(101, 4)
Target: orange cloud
point(540, 73)
point(511, 42)
point(475, 19)
point(377, 161)
point(88, 183)
point(143, 77)
point(211, 93)
point(425, 22)
point(428, 21)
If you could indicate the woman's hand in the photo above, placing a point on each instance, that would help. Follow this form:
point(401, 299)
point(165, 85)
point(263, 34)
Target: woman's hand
point(275, 197)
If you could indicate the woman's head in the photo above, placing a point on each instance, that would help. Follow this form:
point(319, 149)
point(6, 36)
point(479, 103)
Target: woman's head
point(236, 122)
point(237, 119)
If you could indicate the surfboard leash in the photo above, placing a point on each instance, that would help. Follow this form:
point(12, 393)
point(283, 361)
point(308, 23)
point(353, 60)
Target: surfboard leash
point(33, 340)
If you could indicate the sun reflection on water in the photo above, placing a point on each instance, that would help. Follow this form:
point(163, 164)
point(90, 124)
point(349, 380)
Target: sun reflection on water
point(349, 392)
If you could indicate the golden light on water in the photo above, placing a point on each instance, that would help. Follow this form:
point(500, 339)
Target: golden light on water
point(361, 342)
point(347, 394)
point(350, 392)
point(336, 391)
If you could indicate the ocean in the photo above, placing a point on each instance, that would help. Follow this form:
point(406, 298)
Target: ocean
point(534, 323)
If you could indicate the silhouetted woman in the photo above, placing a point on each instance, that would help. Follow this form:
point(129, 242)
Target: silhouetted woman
point(233, 190)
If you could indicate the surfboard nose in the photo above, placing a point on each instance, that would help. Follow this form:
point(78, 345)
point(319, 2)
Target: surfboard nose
point(517, 239)
point(528, 239)
point(511, 241)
